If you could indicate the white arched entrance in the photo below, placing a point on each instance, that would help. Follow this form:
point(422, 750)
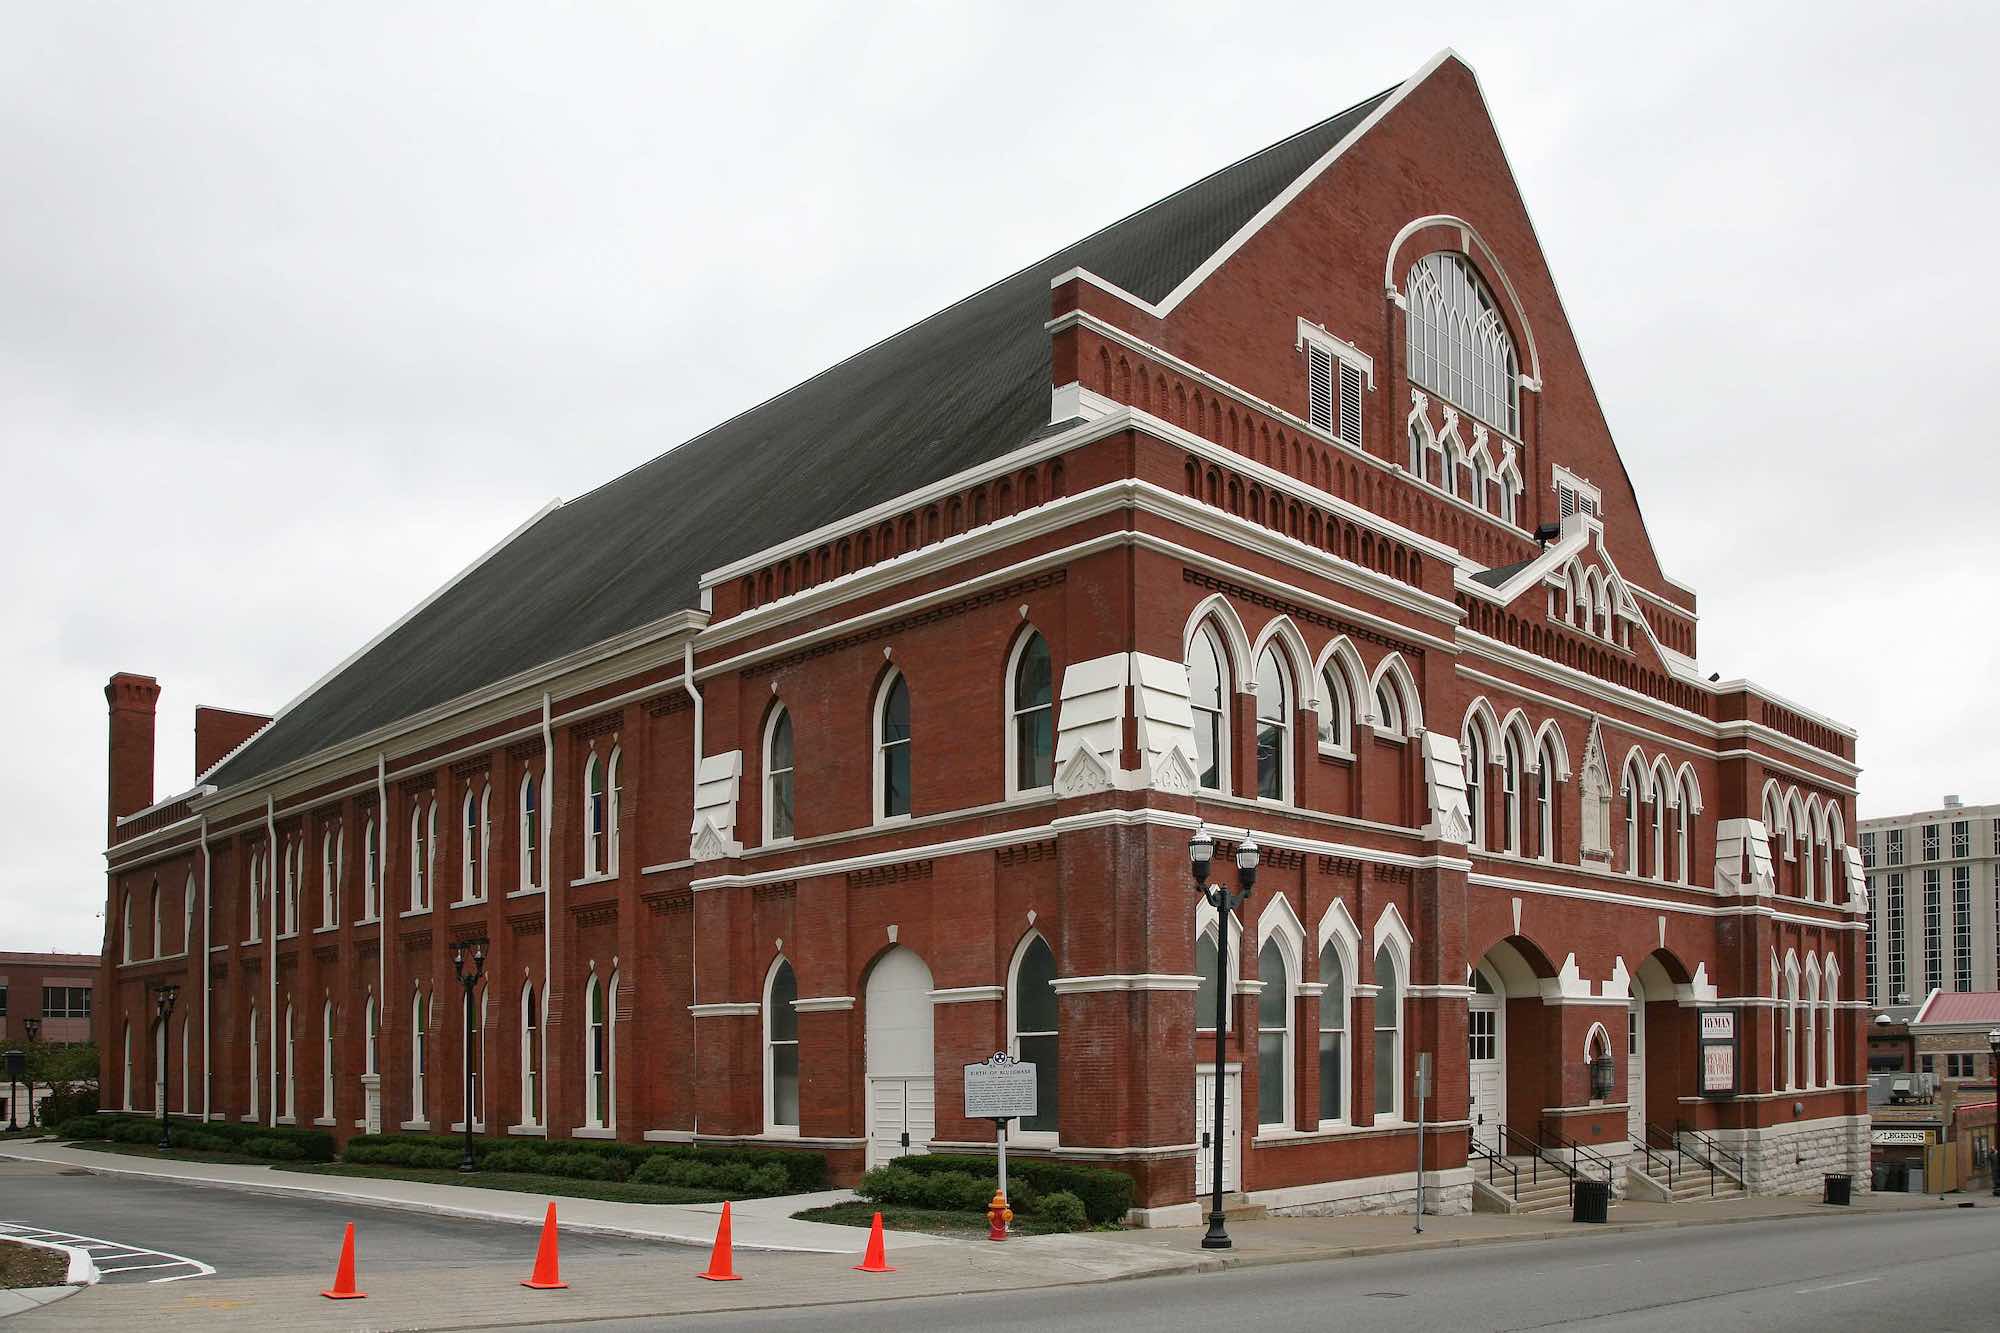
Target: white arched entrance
point(1486, 1054)
point(901, 1098)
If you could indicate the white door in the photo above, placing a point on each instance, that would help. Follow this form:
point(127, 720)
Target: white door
point(1204, 1128)
point(1486, 1059)
point(902, 1114)
point(1635, 1066)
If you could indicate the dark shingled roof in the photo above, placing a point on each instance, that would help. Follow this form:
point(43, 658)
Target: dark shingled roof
point(965, 385)
point(1499, 574)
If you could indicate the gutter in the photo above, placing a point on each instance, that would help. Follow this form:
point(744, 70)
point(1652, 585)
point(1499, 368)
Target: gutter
point(548, 905)
point(271, 979)
point(207, 929)
point(694, 971)
point(381, 931)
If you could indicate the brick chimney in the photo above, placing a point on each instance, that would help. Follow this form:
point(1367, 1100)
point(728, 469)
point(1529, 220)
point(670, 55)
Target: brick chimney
point(134, 700)
point(217, 731)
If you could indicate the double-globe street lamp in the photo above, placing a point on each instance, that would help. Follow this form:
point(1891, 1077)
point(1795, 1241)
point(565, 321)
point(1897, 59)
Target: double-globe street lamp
point(1201, 853)
point(32, 1026)
point(163, 1006)
point(469, 982)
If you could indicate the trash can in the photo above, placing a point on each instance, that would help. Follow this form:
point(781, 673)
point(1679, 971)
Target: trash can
point(1590, 1201)
point(1839, 1189)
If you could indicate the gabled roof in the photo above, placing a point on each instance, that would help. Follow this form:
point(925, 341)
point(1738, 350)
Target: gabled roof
point(1955, 1007)
point(965, 385)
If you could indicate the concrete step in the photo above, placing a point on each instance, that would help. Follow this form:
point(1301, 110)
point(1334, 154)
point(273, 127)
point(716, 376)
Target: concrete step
point(1694, 1188)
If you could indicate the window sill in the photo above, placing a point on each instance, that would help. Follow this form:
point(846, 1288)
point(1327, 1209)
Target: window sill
point(1035, 1138)
point(416, 1124)
point(458, 1127)
point(369, 921)
point(593, 1132)
point(1031, 793)
point(285, 1120)
point(468, 902)
point(781, 1131)
point(324, 1121)
point(284, 935)
point(415, 911)
point(536, 1131)
point(530, 892)
point(323, 930)
point(1341, 753)
point(889, 821)
point(600, 877)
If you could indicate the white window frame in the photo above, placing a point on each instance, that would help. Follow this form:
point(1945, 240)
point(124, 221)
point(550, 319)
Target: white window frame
point(419, 1059)
point(326, 1060)
point(771, 1044)
point(1282, 721)
point(329, 905)
point(1287, 1111)
point(1225, 689)
point(534, 1055)
point(1345, 364)
point(878, 749)
point(1016, 713)
point(529, 834)
point(287, 1107)
point(614, 798)
point(1472, 741)
point(256, 903)
point(1341, 677)
point(187, 914)
point(780, 715)
point(596, 808)
point(600, 1009)
point(1337, 1000)
point(371, 877)
point(1028, 1137)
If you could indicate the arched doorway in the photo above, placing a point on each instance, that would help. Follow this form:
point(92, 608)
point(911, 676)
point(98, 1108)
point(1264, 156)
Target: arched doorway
point(1486, 1054)
point(901, 1101)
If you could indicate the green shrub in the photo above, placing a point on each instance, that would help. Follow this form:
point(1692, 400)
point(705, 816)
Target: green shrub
point(274, 1143)
point(747, 1171)
point(950, 1191)
point(82, 1127)
point(1107, 1195)
point(66, 1104)
point(1062, 1209)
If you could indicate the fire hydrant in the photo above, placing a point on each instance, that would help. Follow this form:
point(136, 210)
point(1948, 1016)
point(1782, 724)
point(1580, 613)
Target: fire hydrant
point(999, 1214)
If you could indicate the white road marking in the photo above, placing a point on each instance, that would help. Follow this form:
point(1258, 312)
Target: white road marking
point(1835, 1286)
point(91, 1244)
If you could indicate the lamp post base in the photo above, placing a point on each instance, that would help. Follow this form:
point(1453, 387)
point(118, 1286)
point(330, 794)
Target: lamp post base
point(1217, 1237)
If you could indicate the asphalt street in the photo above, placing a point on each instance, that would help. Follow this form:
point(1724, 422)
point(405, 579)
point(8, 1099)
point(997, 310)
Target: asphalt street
point(259, 1235)
point(1936, 1270)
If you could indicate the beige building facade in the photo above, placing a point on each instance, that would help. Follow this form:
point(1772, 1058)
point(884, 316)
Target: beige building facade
point(1933, 902)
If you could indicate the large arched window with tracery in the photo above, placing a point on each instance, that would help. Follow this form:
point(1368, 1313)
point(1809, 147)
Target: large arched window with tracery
point(1459, 344)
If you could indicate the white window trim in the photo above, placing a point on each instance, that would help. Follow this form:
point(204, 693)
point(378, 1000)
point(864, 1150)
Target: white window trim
point(528, 1002)
point(778, 714)
point(1041, 1138)
point(1340, 662)
point(1392, 934)
point(527, 810)
point(614, 774)
point(1286, 720)
point(771, 1126)
point(876, 749)
point(1227, 687)
point(593, 837)
point(1013, 714)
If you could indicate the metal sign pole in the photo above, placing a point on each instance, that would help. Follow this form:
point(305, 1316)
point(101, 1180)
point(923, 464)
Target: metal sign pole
point(1000, 1133)
point(1423, 1092)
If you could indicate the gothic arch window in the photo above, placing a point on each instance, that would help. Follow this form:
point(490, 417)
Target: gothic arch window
point(1208, 695)
point(532, 1053)
point(781, 1051)
point(371, 903)
point(1459, 344)
point(1274, 1036)
point(612, 813)
point(476, 814)
point(187, 915)
point(1634, 793)
point(1033, 1019)
point(288, 1103)
point(779, 793)
point(1510, 794)
point(1333, 1011)
point(420, 1059)
point(1545, 803)
point(893, 768)
point(369, 1029)
point(1388, 1036)
point(1274, 726)
point(1341, 688)
point(600, 1084)
point(256, 901)
point(1474, 742)
point(530, 832)
point(594, 813)
point(1031, 726)
point(329, 892)
point(326, 1060)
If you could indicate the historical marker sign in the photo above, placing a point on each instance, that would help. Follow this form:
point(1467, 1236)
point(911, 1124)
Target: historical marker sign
point(1001, 1088)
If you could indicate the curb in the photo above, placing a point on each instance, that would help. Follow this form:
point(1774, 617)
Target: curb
point(437, 1209)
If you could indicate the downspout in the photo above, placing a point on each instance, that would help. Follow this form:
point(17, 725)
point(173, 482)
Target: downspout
point(271, 851)
point(548, 905)
point(207, 927)
point(694, 973)
point(381, 924)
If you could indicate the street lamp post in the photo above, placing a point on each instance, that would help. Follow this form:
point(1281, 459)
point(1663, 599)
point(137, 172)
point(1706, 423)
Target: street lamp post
point(163, 1005)
point(1993, 1153)
point(469, 982)
point(33, 1027)
point(1201, 852)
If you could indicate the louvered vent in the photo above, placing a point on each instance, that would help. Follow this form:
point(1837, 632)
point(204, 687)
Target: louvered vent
point(1319, 387)
point(1350, 404)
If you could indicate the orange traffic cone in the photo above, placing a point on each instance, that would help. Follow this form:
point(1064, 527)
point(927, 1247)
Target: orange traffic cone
point(875, 1261)
point(720, 1267)
point(343, 1277)
point(548, 1272)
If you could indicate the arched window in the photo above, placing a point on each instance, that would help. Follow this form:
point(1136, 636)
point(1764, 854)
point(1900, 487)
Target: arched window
point(1336, 711)
point(1545, 804)
point(1388, 711)
point(1635, 792)
point(612, 810)
point(1332, 1035)
point(1475, 779)
point(1206, 960)
point(371, 904)
point(368, 1034)
point(329, 911)
point(288, 1103)
point(255, 1047)
point(1032, 991)
point(1791, 1026)
point(294, 856)
point(1659, 866)
point(593, 816)
point(1031, 738)
point(1388, 1037)
point(1459, 344)
point(778, 792)
point(1506, 499)
point(1811, 1026)
point(1510, 793)
point(420, 1051)
point(781, 1051)
point(531, 833)
point(475, 1067)
point(187, 915)
point(187, 1086)
point(1451, 468)
point(892, 749)
point(153, 915)
point(326, 1060)
point(128, 1064)
point(1416, 451)
point(531, 1056)
point(1274, 1037)
point(125, 927)
point(597, 1099)
point(420, 847)
point(1830, 1068)
point(472, 852)
point(1479, 480)
point(1684, 833)
point(256, 900)
point(1274, 727)
point(1208, 694)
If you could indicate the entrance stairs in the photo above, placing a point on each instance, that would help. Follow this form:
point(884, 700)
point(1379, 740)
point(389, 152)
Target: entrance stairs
point(1542, 1189)
point(1693, 1187)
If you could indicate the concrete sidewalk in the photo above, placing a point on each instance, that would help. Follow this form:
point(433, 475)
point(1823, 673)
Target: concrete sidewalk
point(758, 1224)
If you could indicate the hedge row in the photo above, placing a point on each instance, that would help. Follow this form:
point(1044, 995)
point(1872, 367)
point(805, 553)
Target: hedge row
point(748, 1171)
point(963, 1192)
point(277, 1143)
point(1107, 1195)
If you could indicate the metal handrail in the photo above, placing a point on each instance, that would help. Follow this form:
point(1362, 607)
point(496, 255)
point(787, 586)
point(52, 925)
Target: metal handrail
point(1666, 1140)
point(1495, 1162)
point(1656, 1157)
point(1713, 1150)
point(1579, 1156)
point(1510, 1138)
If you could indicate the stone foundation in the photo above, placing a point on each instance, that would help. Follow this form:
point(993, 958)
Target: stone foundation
point(1446, 1193)
point(1792, 1159)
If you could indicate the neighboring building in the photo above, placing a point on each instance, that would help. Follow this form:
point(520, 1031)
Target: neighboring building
point(1932, 1128)
point(56, 990)
point(1934, 901)
point(864, 735)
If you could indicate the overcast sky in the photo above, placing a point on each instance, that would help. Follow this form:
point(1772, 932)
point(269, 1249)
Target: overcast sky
point(301, 307)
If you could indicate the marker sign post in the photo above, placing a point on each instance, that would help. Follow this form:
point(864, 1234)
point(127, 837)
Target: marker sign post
point(1000, 1088)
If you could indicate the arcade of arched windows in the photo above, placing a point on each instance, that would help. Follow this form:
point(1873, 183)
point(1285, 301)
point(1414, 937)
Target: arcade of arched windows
point(973, 507)
point(1573, 648)
point(1223, 488)
point(1808, 839)
point(1812, 733)
point(1675, 633)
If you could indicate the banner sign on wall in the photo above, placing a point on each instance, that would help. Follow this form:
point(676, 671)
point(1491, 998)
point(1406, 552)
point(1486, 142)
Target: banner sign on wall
point(1718, 1053)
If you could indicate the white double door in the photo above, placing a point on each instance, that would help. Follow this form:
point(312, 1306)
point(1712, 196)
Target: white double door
point(902, 1102)
point(1635, 1067)
point(1204, 1129)
point(1486, 1063)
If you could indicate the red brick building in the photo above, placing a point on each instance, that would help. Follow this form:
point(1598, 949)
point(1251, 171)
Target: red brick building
point(864, 735)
